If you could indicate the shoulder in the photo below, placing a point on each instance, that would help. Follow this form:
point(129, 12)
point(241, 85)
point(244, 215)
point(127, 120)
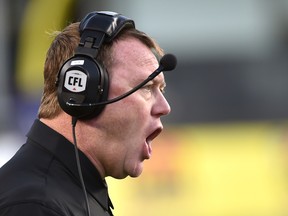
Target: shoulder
point(32, 187)
point(29, 208)
point(39, 199)
point(29, 198)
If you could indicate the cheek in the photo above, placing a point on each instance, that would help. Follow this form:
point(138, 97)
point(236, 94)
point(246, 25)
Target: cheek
point(133, 117)
point(124, 118)
point(138, 112)
point(133, 108)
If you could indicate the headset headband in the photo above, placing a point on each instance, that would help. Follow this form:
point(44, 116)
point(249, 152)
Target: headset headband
point(100, 26)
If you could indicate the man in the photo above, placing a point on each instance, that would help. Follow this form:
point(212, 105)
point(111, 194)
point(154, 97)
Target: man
point(48, 175)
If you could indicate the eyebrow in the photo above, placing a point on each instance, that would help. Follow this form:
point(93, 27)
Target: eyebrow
point(162, 83)
point(156, 80)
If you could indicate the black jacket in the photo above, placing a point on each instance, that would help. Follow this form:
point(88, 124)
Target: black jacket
point(42, 179)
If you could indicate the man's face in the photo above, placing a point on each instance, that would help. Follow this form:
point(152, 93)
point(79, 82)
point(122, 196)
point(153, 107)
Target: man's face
point(130, 125)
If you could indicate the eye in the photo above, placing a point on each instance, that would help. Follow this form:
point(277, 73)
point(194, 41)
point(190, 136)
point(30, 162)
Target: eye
point(148, 88)
point(162, 90)
point(152, 87)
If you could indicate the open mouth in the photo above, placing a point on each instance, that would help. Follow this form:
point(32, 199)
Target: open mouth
point(153, 135)
point(149, 140)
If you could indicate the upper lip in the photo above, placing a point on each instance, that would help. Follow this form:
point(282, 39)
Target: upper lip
point(154, 134)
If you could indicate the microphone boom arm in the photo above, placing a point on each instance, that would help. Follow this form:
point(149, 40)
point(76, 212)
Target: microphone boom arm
point(167, 62)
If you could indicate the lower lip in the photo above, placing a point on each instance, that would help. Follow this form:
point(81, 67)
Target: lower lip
point(148, 150)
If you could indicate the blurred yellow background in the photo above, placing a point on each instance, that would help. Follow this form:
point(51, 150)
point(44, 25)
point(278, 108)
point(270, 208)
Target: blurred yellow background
point(211, 170)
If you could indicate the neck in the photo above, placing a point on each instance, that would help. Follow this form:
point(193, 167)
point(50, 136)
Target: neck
point(62, 124)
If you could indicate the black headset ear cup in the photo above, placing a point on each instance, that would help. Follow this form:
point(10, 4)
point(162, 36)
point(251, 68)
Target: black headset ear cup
point(82, 80)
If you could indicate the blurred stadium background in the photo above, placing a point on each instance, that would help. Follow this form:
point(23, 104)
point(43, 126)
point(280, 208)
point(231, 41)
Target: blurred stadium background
point(224, 150)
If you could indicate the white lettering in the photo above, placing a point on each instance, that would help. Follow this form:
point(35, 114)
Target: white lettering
point(75, 81)
point(77, 62)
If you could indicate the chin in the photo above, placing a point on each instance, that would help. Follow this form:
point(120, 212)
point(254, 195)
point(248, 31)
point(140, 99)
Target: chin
point(136, 172)
point(135, 175)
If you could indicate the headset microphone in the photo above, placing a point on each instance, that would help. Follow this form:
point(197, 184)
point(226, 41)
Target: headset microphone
point(167, 63)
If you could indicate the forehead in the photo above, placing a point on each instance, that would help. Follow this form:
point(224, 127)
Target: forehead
point(133, 59)
point(133, 50)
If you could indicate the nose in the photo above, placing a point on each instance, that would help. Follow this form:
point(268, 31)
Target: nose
point(161, 106)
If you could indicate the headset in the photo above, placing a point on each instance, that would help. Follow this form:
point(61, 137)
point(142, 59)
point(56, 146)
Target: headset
point(81, 79)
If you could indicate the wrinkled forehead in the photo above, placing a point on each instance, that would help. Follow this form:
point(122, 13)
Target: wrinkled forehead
point(133, 51)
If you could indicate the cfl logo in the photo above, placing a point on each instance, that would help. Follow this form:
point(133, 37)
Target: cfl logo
point(75, 81)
